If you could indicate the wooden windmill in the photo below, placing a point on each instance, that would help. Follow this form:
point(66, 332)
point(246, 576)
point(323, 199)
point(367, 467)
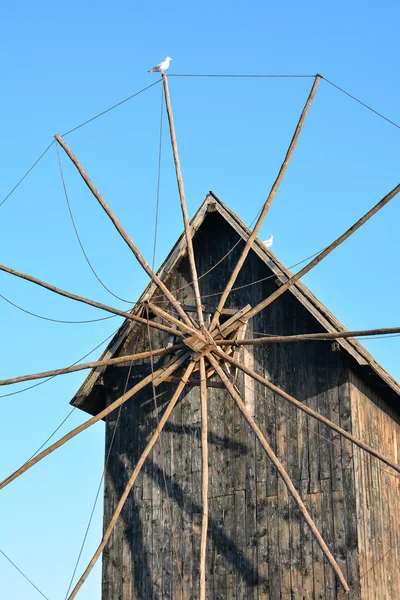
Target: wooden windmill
point(253, 502)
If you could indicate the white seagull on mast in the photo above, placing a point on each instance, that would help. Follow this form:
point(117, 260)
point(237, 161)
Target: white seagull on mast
point(162, 66)
point(268, 242)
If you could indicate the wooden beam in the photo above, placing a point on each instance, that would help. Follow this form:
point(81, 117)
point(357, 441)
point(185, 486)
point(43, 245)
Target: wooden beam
point(304, 337)
point(175, 362)
point(308, 410)
point(121, 230)
point(110, 309)
point(267, 203)
point(188, 230)
point(195, 381)
point(132, 479)
point(325, 252)
point(234, 322)
point(166, 316)
point(120, 360)
point(204, 477)
point(282, 472)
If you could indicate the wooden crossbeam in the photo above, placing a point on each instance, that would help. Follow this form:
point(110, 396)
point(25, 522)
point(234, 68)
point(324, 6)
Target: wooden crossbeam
point(304, 337)
point(174, 363)
point(188, 231)
point(325, 252)
point(308, 410)
point(121, 230)
point(118, 361)
point(282, 472)
point(166, 316)
point(267, 204)
point(110, 309)
point(132, 480)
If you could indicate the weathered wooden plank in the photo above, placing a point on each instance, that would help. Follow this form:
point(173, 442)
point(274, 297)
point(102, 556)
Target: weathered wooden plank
point(262, 542)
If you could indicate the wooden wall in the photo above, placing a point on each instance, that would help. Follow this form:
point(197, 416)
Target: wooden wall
point(378, 493)
point(258, 546)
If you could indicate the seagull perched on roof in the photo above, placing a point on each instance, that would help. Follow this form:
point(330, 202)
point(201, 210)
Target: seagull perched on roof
point(268, 242)
point(162, 66)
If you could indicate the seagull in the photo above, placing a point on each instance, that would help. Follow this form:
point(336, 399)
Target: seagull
point(268, 242)
point(162, 66)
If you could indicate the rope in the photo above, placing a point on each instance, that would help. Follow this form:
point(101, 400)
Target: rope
point(28, 312)
point(214, 266)
point(246, 76)
point(79, 238)
point(22, 573)
point(240, 76)
point(111, 108)
point(240, 287)
point(52, 377)
point(27, 173)
point(158, 180)
point(362, 103)
point(52, 434)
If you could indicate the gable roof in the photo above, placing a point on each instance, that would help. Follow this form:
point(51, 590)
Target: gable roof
point(322, 315)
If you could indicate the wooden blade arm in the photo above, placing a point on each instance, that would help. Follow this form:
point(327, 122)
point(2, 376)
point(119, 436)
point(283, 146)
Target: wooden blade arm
point(188, 231)
point(84, 300)
point(121, 230)
point(119, 360)
point(167, 369)
point(267, 204)
point(133, 478)
point(304, 337)
point(204, 477)
point(282, 472)
point(325, 252)
point(166, 316)
point(308, 410)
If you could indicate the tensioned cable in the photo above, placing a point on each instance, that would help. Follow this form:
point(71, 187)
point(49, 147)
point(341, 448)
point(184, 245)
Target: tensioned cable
point(53, 376)
point(240, 76)
point(78, 237)
point(255, 76)
point(362, 103)
point(74, 129)
point(246, 284)
point(28, 312)
point(27, 173)
point(23, 574)
point(111, 108)
point(213, 267)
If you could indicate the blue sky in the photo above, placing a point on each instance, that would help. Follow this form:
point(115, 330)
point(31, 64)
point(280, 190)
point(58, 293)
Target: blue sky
point(61, 63)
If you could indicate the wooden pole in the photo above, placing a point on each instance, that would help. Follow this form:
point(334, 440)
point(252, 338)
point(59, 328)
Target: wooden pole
point(304, 337)
point(120, 360)
point(121, 230)
point(132, 479)
point(267, 204)
point(84, 300)
point(325, 252)
point(204, 477)
point(282, 472)
point(171, 319)
point(188, 229)
point(166, 370)
point(308, 410)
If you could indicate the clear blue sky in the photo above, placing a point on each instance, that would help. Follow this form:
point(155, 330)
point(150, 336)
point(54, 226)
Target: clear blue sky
point(63, 62)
